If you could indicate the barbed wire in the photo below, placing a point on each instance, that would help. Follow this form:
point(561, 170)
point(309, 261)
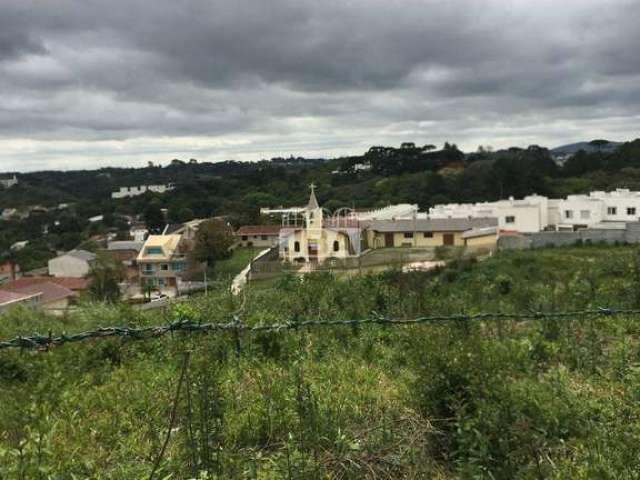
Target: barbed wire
point(39, 341)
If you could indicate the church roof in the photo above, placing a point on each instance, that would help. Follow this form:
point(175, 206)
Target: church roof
point(313, 201)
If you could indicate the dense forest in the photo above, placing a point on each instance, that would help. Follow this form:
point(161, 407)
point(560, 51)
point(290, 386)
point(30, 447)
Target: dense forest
point(494, 398)
point(383, 175)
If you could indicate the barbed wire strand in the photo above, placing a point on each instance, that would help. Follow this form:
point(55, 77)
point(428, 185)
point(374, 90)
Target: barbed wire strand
point(43, 342)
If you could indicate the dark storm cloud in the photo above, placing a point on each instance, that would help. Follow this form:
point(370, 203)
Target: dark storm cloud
point(244, 77)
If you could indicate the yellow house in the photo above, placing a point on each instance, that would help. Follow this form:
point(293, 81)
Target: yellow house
point(316, 241)
point(481, 238)
point(162, 261)
point(425, 232)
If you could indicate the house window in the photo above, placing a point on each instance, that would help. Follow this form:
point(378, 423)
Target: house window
point(336, 246)
point(585, 214)
point(631, 210)
point(510, 219)
point(244, 237)
point(154, 251)
point(408, 234)
point(177, 266)
point(296, 246)
point(148, 267)
point(164, 267)
point(612, 210)
point(568, 214)
point(428, 234)
point(264, 237)
point(255, 236)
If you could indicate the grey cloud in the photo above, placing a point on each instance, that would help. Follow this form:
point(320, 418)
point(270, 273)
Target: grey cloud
point(255, 74)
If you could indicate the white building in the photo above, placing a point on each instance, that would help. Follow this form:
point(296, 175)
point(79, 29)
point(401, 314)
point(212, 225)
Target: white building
point(531, 214)
point(75, 264)
point(535, 213)
point(582, 211)
point(8, 182)
point(126, 192)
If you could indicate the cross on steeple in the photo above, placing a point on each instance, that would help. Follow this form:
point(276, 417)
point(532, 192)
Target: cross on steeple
point(313, 202)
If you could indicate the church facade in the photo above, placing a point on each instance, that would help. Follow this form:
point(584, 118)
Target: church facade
point(316, 239)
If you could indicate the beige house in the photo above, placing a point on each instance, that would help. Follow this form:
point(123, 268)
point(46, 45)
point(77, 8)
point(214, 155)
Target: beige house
point(315, 241)
point(263, 236)
point(481, 238)
point(162, 261)
point(425, 232)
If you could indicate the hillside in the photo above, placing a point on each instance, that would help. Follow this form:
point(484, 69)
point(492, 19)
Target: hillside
point(594, 146)
point(550, 397)
point(423, 175)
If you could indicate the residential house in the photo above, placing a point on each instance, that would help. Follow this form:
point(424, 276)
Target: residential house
point(138, 232)
point(77, 285)
point(45, 294)
point(481, 238)
point(535, 213)
point(8, 182)
point(17, 246)
point(9, 271)
point(126, 251)
point(8, 213)
point(531, 214)
point(263, 236)
point(10, 300)
point(75, 263)
point(424, 232)
point(162, 262)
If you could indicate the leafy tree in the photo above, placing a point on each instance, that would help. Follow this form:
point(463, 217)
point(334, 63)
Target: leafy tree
point(154, 218)
point(104, 278)
point(213, 242)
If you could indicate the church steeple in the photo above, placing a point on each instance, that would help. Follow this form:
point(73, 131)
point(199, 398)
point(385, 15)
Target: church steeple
point(313, 212)
point(313, 201)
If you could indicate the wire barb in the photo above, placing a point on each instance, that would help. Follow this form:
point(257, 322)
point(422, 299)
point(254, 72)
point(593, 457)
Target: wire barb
point(236, 326)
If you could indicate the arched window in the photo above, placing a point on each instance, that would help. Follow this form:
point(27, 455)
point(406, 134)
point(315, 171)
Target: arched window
point(296, 246)
point(336, 245)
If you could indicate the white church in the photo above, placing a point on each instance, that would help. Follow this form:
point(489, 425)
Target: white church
point(308, 237)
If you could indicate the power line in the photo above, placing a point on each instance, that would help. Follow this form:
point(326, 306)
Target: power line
point(38, 341)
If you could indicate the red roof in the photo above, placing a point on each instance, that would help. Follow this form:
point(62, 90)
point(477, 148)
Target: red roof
point(259, 230)
point(50, 291)
point(71, 283)
point(10, 297)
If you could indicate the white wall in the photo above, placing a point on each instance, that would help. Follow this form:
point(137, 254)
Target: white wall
point(126, 192)
point(68, 266)
point(580, 210)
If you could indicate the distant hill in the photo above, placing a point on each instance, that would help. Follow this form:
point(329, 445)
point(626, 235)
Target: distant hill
point(566, 151)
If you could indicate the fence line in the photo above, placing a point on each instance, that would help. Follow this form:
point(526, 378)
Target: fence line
point(43, 342)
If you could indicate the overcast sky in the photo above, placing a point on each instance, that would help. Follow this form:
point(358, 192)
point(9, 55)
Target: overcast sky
point(91, 83)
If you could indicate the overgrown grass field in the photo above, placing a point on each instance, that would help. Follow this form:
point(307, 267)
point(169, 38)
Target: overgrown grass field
point(547, 398)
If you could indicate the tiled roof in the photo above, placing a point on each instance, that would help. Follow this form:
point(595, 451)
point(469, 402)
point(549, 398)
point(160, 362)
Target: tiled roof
point(431, 224)
point(66, 282)
point(50, 291)
point(259, 230)
point(82, 255)
point(480, 232)
point(12, 297)
point(126, 245)
point(168, 244)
